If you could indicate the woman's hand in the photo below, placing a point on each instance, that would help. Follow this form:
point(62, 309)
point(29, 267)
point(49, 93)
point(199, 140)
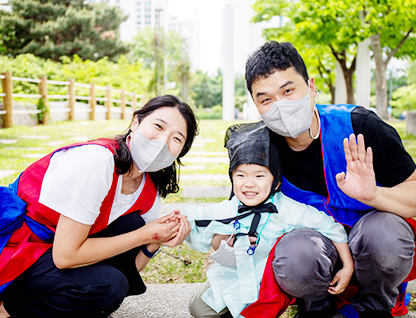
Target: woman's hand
point(183, 232)
point(163, 229)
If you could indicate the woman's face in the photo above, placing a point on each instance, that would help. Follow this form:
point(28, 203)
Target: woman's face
point(163, 124)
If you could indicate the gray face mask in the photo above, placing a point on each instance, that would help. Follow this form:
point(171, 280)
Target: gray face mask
point(289, 118)
point(150, 155)
point(225, 255)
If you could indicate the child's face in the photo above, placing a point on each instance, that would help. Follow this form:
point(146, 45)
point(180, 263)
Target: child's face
point(252, 183)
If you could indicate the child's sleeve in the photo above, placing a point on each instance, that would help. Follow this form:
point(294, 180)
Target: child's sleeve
point(300, 215)
point(198, 239)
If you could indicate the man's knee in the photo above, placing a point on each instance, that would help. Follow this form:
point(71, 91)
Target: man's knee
point(304, 258)
point(384, 238)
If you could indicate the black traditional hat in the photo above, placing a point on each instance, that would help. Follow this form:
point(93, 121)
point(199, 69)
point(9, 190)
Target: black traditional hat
point(250, 144)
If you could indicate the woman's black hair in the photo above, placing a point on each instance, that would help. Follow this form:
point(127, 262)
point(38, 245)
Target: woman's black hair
point(271, 57)
point(167, 179)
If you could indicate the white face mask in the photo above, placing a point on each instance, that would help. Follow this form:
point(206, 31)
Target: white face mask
point(289, 118)
point(150, 155)
point(225, 255)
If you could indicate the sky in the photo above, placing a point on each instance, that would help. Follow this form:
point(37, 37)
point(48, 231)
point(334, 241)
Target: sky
point(209, 17)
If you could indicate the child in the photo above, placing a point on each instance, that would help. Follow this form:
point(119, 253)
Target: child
point(249, 224)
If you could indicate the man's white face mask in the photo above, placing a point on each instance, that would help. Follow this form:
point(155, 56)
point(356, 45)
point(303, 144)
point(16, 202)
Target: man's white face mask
point(290, 118)
point(150, 155)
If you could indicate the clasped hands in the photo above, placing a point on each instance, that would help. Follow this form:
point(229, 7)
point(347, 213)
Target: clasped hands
point(169, 230)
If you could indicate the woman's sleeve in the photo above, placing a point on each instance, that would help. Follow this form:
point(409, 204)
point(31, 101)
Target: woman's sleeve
point(154, 211)
point(77, 181)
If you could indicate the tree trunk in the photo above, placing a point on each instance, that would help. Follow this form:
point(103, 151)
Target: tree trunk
point(348, 75)
point(381, 82)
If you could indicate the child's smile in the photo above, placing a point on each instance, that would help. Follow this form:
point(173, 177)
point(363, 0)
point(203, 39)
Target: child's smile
point(252, 183)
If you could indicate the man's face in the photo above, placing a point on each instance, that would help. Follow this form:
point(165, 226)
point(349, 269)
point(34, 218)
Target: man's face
point(286, 85)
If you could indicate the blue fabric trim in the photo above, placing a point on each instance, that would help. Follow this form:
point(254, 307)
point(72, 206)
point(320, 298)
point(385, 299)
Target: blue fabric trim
point(12, 215)
point(349, 311)
point(407, 299)
point(402, 288)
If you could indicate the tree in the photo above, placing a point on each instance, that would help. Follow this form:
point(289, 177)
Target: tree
point(340, 25)
point(328, 27)
point(391, 24)
point(151, 47)
point(207, 90)
point(55, 28)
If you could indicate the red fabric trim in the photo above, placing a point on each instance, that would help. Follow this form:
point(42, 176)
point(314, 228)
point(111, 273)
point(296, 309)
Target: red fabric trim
point(272, 301)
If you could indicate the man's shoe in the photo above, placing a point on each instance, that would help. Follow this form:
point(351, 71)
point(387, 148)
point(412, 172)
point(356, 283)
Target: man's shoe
point(368, 313)
point(328, 312)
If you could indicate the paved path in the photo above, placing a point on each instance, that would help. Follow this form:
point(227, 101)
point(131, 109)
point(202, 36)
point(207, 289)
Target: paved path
point(171, 301)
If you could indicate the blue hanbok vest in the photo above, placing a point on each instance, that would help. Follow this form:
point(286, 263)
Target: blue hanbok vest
point(336, 125)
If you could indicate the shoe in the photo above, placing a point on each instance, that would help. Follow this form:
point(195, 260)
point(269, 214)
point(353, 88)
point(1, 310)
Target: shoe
point(368, 313)
point(329, 312)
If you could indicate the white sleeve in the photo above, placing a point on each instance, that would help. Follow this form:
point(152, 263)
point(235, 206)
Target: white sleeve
point(154, 212)
point(300, 215)
point(77, 181)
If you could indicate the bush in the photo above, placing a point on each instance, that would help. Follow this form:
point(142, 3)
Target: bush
point(209, 113)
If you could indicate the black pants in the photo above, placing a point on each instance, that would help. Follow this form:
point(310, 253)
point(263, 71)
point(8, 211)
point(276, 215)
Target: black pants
point(90, 291)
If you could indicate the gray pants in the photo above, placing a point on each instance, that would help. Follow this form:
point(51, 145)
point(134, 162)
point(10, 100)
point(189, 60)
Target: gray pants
point(382, 246)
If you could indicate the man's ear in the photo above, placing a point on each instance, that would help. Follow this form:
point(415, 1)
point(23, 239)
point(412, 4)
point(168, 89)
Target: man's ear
point(278, 185)
point(313, 88)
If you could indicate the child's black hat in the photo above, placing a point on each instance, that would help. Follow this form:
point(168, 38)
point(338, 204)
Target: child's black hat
point(250, 144)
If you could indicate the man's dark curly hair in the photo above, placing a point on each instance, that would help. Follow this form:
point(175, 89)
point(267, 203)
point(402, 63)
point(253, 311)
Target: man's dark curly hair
point(271, 57)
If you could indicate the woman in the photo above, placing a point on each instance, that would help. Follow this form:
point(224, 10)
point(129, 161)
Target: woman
point(90, 223)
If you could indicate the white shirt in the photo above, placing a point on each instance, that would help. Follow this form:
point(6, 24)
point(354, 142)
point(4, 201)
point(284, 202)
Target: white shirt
point(77, 181)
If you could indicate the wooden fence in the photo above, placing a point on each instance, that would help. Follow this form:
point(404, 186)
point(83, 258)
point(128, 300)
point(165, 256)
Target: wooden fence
point(8, 97)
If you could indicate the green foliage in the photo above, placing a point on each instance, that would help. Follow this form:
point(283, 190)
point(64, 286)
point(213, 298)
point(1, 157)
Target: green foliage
point(207, 90)
point(322, 32)
point(166, 54)
point(240, 92)
point(51, 29)
point(411, 73)
point(121, 75)
point(214, 112)
point(404, 98)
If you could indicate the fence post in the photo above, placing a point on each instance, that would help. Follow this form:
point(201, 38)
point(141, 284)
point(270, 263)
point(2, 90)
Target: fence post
point(123, 104)
point(108, 102)
point(8, 99)
point(71, 99)
point(44, 101)
point(134, 101)
point(93, 102)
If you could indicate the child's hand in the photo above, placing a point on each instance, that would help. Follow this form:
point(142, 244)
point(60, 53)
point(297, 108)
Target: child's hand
point(176, 215)
point(340, 281)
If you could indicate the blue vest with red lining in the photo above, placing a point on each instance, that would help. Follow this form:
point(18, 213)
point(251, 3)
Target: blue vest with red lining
point(24, 247)
point(335, 127)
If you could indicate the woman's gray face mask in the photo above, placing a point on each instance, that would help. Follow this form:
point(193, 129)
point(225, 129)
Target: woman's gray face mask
point(150, 155)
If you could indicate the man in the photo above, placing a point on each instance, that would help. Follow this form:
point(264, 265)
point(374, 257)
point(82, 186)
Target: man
point(371, 191)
